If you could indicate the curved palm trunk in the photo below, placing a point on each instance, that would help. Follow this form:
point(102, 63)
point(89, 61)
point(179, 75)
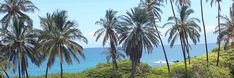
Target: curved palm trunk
point(26, 73)
point(219, 45)
point(172, 8)
point(114, 63)
point(22, 74)
point(204, 31)
point(188, 56)
point(46, 71)
point(113, 53)
point(182, 41)
point(6, 74)
point(61, 67)
point(187, 49)
point(164, 51)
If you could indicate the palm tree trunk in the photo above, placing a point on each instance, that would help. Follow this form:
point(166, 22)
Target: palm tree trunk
point(182, 41)
point(6, 74)
point(172, 8)
point(19, 69)
point(115, 63)
point(184, 54)
point(114, 60)
point(46, 71)
point(219, 45)
point(182, 46)
point(226, 45)
point(134, 61)
point(18, 59)
point(26, 73)
point(22, 74)
point(187, 49)
point(61, 67)
point(164, 51)
point(113, 52)
point(114, 68)
point(134, 66)
point(204, 31)
point(189, 57)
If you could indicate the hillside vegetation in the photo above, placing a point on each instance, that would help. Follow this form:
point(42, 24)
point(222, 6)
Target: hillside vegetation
point(197, 69)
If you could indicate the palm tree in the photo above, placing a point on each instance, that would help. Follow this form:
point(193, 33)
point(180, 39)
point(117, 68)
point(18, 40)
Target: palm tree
point(137, 34)
point(182, 3)
point(179, 2)
point(204, 31)
point(183, 27)
point(172, 7)
point(16, 9)
point(109, 24)
point(153, 8)
point(109, 55)
point(20, 45)
point(56, 39)
point(219, 28)
point(185, 3)
point(4, 66)
point(227, 29)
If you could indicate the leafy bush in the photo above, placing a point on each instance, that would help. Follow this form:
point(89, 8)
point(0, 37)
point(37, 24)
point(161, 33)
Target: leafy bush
point(65, 75)
point(159, 72)
point(202, 71)
point(104, 70)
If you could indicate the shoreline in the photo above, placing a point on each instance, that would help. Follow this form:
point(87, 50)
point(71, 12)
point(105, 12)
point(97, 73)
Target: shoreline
point(156, 71)
point(150, 63)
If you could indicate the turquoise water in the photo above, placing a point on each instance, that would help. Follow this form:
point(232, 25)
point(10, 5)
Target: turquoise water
point(95, 55)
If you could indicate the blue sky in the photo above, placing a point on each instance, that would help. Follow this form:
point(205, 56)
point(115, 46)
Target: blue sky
point(87, 12)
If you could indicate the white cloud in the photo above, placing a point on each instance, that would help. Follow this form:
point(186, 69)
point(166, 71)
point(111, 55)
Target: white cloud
point(209, 28)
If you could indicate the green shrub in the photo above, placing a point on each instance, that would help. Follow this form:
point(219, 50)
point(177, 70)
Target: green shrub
point(202, 71)
point(180, 72)
point(65, 75)
point(104, 70)
point(159, 72)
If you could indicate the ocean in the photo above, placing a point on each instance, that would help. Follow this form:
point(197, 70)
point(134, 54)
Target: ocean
point(95, 56)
